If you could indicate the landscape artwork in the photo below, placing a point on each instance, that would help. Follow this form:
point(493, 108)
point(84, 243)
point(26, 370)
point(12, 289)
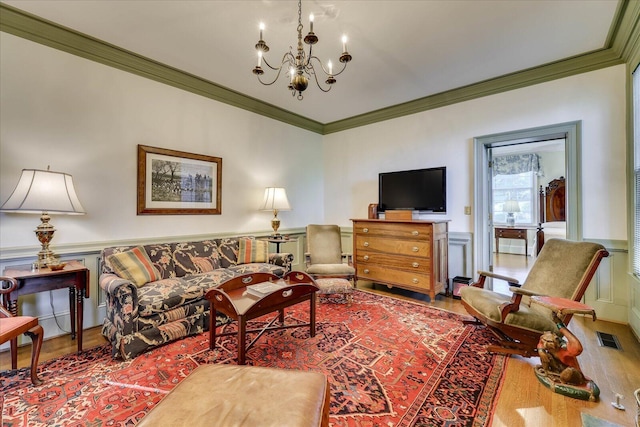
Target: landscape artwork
point(177, 183)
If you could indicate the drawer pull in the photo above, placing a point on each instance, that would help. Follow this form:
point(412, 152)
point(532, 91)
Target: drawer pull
point(415, 232)
point(415, 265)
point(366, 271)
point(365, 230)
point(365, 244)
point(366, 258)
point(416, 281)
point(415, 249)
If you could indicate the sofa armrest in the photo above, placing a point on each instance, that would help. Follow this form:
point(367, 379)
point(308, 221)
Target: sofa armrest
point(283, 259)
point(121, 303)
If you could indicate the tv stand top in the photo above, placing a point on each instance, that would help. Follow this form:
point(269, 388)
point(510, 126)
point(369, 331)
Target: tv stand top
point(408, 221)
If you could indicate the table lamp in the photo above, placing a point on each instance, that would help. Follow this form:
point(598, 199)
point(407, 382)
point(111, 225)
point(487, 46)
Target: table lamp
point(44, 192)
point(511, 207)
point(275, 199)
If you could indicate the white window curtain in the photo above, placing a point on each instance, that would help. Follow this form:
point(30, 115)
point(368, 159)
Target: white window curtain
point(514, 164)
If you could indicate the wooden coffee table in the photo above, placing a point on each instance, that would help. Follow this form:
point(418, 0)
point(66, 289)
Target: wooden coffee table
point(232, 299)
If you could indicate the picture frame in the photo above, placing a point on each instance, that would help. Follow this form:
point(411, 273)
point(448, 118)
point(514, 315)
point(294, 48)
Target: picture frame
point(172, 182)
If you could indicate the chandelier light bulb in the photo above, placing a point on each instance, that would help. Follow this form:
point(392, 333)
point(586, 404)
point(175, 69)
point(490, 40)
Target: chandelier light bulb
point(261, 29)
point(344, 43)
point(259, 58)
point(311, 23)
point(330, 65)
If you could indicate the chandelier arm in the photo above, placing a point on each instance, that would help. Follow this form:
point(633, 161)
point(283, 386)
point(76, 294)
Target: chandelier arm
point(344, 67)
point(315, 76)
point(274, 80)
point(324, 70)
point(282, 62)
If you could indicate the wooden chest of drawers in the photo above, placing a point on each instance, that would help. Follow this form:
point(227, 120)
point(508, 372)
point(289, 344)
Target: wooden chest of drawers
point(407, 254)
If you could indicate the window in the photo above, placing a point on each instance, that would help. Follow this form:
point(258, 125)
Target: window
point(514, 184)
point(519, 188)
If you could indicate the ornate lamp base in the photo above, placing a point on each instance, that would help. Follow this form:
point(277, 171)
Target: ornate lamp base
point(275, 224)
point(44, 233)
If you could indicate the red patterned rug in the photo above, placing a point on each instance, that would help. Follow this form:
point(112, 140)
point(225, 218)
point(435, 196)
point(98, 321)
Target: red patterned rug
point(390, 362)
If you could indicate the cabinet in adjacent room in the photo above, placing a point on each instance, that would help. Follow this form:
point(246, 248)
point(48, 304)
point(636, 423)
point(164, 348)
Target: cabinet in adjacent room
point(408, 254)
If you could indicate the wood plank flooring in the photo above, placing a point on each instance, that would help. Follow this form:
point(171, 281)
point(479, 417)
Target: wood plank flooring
point(523, 401)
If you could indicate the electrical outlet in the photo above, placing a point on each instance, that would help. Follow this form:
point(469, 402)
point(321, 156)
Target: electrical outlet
point(467, 210)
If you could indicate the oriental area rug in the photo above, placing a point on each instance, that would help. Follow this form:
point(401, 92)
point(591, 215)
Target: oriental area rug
point(390, 362)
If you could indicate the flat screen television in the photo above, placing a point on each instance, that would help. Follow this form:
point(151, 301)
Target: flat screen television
point(420, 189)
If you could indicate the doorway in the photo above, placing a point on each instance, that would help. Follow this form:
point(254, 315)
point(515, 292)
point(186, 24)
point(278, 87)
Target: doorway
point(486, 147)
point(519, 173)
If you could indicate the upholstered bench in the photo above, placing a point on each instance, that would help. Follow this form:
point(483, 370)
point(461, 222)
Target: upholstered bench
point(244, 396)
point(335, 285)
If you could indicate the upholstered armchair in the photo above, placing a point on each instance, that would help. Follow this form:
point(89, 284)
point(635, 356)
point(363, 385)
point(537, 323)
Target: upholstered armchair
point(563, 269)
point(11, 327)
point(324, 257)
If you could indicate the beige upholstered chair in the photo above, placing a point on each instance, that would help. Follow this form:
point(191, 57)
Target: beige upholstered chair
point(11, 327)
point(324, 257)
point(563, 269)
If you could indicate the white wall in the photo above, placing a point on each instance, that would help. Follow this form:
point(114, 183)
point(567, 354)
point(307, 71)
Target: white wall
point(444, 137)
point(86, 119)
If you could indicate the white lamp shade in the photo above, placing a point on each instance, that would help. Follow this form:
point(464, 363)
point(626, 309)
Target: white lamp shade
point(275, 198)
point(41, 191)
point(511, 206)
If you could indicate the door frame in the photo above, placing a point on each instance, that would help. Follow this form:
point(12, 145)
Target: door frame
point(572, 133)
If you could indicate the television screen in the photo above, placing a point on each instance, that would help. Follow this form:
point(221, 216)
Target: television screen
point(421, 190)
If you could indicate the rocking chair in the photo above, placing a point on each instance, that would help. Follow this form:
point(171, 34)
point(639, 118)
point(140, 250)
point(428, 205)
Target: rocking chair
point(563, 269)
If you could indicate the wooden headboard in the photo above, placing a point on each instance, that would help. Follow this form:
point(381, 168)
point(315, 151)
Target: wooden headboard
point(552, 201)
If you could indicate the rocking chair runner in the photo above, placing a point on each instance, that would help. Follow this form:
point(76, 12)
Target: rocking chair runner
point(563, 269)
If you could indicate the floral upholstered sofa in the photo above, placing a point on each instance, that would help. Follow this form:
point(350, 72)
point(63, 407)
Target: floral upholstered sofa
point(155, 293)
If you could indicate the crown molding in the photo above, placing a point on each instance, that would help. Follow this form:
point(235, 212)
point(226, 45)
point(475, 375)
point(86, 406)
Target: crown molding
point(622, 46)
point(22, 24)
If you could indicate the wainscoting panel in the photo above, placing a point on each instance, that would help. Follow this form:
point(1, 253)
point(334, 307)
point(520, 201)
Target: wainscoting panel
point(460, 255)
point(608, 292)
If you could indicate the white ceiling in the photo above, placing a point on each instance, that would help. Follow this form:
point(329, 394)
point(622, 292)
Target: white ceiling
point(402, 50)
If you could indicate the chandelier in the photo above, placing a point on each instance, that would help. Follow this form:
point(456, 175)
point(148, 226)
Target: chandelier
point(299, 66)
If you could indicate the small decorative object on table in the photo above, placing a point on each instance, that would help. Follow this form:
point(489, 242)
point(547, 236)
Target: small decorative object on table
point(558, 352)
point(55, 264)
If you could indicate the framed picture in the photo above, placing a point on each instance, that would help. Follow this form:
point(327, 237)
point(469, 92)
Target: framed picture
point(177, 183)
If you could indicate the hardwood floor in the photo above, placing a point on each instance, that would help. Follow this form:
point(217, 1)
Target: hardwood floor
point(523, 401)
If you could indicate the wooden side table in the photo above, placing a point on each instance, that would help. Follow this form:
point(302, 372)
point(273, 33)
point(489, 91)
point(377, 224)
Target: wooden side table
point(511, 233)
point(74, 276)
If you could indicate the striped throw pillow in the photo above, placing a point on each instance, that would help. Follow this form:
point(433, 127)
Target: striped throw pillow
point(252, 250)
point(134, 265)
